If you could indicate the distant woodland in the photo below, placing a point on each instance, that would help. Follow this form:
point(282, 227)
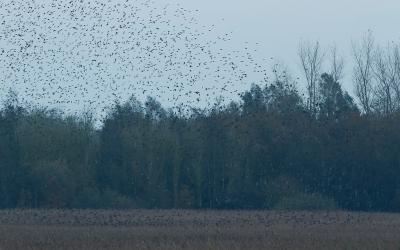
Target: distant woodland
point(273, 149)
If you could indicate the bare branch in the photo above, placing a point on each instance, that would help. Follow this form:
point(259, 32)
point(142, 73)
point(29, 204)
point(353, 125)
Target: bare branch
point(386, 88)
point(338, 63)
point(362, 72)
point(283, 74)
point(396, 66)
point(311, 60)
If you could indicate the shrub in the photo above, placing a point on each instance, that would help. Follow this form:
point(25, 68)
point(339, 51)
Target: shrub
point(112, 199)
point(304, 201)
point(89, 197)
point(53, 184)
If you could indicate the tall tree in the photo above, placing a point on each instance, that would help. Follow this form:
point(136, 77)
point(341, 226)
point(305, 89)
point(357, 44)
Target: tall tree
point(253, 100)
point(154, 110)
point(386, 69)
point(282, 94)
point(333, 101)
point(337, 64)
point(10, 179)
point(311, 60)
point(363, 56)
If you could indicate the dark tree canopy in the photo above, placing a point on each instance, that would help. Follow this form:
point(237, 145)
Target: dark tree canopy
point(266, 152)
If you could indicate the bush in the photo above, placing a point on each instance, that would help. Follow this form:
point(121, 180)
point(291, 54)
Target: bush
point(87, 198)
point(112, 199)
point(53, 184)
point(305, 201)
point(91, 197)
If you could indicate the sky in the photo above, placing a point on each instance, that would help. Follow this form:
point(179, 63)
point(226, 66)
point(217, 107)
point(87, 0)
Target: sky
point(278, 26)
point(76, 54)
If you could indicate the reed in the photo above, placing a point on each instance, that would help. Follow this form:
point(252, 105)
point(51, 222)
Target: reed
point(193, 229)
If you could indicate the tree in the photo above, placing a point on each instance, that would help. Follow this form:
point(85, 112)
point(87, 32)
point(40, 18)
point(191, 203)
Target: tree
point(386, 69)
point(311, 60)
point(111, 153)
point(282, 94)
point(333, 102)
point(154, 110)
point(52, 184)
point(252, 100)
point(10, 171)
point(363, 56)
point(337, 64)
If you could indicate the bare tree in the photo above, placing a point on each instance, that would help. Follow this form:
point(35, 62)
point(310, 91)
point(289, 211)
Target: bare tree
point(311, 60)
point(396, 65)
point(283, 74)
point(338, 62)
point(362, 73)
point(386, 81)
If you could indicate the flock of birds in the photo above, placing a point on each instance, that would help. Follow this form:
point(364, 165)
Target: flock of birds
point(71, 54)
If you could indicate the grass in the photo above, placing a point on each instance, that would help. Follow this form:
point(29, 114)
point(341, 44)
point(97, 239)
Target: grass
point(192, 229)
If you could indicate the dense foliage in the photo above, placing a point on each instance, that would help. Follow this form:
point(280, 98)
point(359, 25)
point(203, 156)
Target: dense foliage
point(267, 151)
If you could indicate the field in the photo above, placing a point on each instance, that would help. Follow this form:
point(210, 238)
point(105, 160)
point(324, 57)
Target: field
point(197, 229)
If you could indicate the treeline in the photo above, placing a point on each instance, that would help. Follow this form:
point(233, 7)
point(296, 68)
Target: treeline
point(274, 149)
point(270, 150)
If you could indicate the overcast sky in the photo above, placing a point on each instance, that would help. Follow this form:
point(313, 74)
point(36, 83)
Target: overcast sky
point(278, 26)
point(53, 56)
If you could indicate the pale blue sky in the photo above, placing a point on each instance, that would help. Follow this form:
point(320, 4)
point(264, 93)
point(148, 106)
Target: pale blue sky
point(67, 66)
